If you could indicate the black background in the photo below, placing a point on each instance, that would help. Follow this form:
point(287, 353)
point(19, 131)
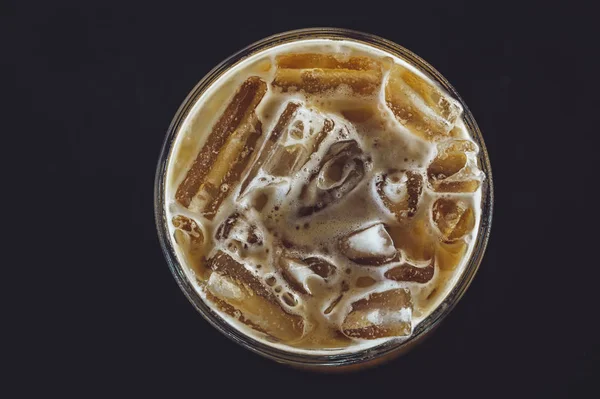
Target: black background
point(96, 85)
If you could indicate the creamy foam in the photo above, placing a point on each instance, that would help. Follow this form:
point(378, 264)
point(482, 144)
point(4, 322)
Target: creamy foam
point(320, 233)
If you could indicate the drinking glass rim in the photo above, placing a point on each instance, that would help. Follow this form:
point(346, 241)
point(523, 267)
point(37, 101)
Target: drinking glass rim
point(307, 359)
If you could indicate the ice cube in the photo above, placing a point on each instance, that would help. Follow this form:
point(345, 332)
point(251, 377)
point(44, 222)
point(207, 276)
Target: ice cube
point(298, 272)
point(450, 170)
point(453, 146)
point(412, 273)
point(421, 106)
point(453, 218)
point(224, 287)
point(282, 124)
point(381, 314)
point(371, 246)
point(280, 158)
point(446, 165)
point(326, 129)
point(459, 186)
point(295, 273)
point(326, 61)
point(322, 73)
point(344, 161)
point(190, 238)
point(401, 192)
point(414, 239)
point(441, 103)
point(448, 255)
point(224, 156)
point(190, 227)
point(239, 293)
point(286, 160)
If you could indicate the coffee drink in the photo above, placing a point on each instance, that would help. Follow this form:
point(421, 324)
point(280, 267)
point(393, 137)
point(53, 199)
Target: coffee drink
point(323, 196)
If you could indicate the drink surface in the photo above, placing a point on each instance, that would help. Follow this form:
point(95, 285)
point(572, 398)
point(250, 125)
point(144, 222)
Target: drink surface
point(323, 196)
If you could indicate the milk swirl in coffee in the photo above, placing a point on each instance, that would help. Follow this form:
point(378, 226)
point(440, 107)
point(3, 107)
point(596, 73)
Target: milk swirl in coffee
point(323, 196)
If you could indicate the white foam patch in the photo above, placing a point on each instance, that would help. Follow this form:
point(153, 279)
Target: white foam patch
point(380, 317)
point(223, 287)
point(374, 240)
point(303, 274)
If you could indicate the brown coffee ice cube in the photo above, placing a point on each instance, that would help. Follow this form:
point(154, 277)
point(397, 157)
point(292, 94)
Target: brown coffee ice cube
point(339, 172)
point(278, 159)
point(241, 294)
point(296, 271)
point(286, 160)
point(381, 314)
point(290, 270)
point(316, 73)
point(414, 239)
point(219, 164)
point(422, 107)
point(407, 187)
point(453, 218)
point(449, 254)
point(190, 238)
point(449, 172)
point(420, 241)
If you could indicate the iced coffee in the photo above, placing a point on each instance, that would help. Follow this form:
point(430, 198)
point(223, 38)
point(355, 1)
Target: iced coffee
point(323, 196)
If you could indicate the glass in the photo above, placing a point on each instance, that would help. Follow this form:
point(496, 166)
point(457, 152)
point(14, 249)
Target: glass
point(324, 362)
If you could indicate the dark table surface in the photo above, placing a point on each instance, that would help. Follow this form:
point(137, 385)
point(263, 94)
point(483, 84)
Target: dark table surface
point(97, 84)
